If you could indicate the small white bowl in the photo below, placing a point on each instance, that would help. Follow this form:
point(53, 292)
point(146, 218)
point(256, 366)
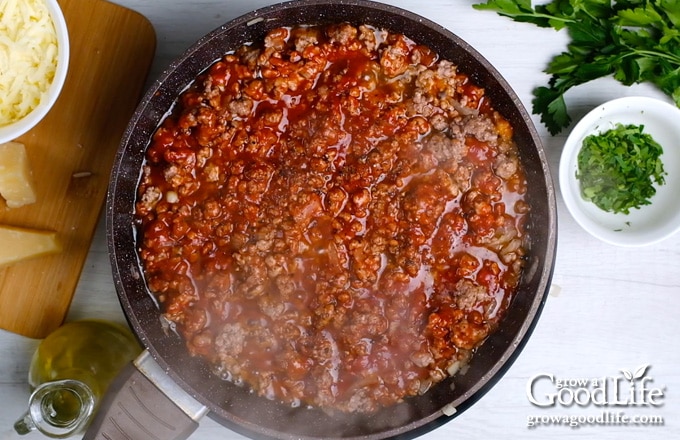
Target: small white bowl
point(650, 223)
point(14, 130)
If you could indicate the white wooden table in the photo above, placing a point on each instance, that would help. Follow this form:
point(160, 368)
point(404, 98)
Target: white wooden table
point(610, 308)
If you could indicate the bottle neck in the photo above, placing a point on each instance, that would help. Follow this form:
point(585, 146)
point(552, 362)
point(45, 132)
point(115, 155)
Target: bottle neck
point(58, 409)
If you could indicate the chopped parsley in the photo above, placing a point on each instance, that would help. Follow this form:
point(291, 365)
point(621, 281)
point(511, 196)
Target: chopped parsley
point(617, 169)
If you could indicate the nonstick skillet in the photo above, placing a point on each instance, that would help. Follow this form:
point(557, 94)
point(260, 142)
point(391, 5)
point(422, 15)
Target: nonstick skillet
point(137, 406)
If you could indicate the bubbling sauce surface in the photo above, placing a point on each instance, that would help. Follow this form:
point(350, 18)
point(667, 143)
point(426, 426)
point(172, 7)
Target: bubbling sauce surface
point(334, 217)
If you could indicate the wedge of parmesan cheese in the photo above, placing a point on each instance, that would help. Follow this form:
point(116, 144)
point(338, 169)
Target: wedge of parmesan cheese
point(28, 57)
point(18, 244)
point(16, 180)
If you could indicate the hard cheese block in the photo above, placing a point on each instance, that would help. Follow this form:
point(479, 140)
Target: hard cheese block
point(20, 244)
point(16, 181)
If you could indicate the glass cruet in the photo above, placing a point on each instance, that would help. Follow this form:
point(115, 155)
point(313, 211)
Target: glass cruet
point(70, 372)
point(58, 409)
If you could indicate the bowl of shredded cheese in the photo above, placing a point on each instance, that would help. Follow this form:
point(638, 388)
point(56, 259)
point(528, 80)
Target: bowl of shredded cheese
point(34, 57)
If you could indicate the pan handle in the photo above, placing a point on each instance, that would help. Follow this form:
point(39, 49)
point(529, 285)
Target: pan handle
point(143, 403)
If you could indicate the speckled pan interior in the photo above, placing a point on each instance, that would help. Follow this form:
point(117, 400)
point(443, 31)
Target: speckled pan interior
point(257, 417)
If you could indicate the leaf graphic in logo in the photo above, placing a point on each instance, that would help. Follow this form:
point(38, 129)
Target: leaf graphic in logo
point(640, 372)
point(628, 375)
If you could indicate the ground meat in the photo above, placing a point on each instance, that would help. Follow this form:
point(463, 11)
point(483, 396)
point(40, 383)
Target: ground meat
point(342, 34)
point(333, 217)
point(231, 339)
point(506, 165)
point(446, 148)
point(469, 295)
point(241, 107)
point(481, 128)
point(304, 38)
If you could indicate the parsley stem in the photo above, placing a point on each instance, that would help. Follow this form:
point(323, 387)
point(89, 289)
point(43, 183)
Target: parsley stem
point(654, 54)
point(532, 16)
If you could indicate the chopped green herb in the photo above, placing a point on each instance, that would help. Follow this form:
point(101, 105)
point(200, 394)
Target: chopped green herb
point(617, 169)
point(632, 40)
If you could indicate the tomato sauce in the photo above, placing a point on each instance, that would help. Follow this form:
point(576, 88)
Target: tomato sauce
point(334, 217)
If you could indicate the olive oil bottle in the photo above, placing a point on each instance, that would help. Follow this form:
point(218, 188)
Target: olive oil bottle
point(70, 372)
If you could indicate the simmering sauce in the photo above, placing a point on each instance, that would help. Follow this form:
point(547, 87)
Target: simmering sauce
point(334, 217)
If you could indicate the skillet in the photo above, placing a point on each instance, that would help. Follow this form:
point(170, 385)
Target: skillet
point(138, 407)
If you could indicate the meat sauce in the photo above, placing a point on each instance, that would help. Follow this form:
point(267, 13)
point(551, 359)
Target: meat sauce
point(334, 217)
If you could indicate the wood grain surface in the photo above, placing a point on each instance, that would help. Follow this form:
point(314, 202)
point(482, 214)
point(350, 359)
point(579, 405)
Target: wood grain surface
point(71, 153)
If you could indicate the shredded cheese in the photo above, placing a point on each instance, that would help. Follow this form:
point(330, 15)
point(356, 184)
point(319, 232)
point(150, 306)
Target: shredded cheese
point(28, 57)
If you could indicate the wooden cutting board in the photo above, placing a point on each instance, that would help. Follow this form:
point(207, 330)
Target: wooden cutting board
point(71, 154)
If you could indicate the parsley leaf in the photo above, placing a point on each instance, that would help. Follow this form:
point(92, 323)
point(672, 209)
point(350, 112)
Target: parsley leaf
point(634, 41)
point(617, 169)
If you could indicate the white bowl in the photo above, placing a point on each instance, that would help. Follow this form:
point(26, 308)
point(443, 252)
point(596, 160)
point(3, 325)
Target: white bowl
point(14, 130)
point(650, 223)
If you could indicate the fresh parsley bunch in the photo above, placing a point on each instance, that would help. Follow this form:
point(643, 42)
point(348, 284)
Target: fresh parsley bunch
point(633, 40)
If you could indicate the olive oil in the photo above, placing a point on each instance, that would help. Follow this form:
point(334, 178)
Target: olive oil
point(90, 351)
point(70, 371)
